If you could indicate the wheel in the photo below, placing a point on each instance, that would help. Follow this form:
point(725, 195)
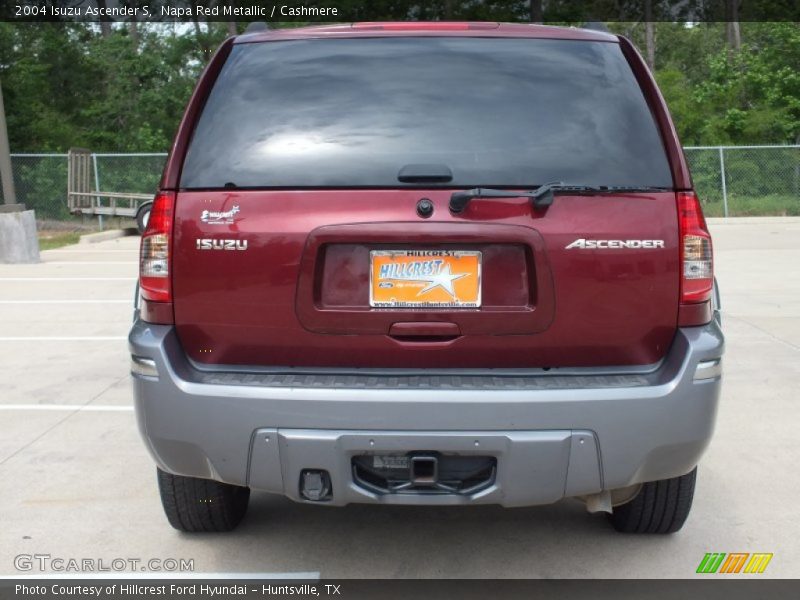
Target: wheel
point(194, 505)
point(143, 216)
point(660, 506)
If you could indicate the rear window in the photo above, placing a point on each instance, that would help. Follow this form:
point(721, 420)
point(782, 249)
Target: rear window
point(497, 112)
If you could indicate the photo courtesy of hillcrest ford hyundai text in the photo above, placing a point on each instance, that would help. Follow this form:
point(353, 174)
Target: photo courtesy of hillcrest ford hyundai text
point(477, 273)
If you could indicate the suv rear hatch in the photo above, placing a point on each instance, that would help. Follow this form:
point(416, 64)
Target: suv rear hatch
point(303, 236)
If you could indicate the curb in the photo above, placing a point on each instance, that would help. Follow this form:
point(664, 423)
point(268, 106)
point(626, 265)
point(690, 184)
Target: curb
point(771, 220)
point(102, 236)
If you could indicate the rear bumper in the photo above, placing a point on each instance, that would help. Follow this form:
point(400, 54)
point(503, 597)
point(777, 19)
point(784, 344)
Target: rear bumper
point(554, 435)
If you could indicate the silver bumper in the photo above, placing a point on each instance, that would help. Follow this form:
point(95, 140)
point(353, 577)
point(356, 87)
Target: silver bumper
point(554, 435)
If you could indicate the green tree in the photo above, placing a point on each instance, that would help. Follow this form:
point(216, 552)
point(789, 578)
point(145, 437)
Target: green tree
point(753, 95)
point(68, 84)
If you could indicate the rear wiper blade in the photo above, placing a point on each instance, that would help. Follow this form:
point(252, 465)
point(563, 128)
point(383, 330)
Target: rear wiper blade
point(543, 195)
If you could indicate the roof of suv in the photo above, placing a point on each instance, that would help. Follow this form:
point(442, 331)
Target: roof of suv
point(426, 28)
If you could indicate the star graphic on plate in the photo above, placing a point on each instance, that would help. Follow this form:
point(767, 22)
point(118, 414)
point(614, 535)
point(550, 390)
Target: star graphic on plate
point(443, 279)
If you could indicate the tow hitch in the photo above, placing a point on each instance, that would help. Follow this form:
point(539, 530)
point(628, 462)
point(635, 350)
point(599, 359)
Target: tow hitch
point(424, 473)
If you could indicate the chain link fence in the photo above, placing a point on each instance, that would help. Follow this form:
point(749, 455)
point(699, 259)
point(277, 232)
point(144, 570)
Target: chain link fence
point(41, 179)
point(746, 180)
point(41, 183)
point(730, 180)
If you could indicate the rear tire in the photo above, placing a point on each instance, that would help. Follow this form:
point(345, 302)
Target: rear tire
point(143, 216)
point(201, 505)
point(660, 507)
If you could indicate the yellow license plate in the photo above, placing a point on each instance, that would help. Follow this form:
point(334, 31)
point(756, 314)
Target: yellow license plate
point(425, 279)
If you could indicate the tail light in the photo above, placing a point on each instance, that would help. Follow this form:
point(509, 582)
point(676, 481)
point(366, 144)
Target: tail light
point(154, 258)
point(697, 263)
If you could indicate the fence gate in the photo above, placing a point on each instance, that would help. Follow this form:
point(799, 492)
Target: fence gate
point(84, 195)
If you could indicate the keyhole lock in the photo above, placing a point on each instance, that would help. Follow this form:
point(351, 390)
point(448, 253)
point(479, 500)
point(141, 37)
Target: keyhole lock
point(424, 208)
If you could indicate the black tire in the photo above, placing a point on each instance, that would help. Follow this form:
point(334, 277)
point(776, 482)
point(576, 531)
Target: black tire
point(143, 216)
point(195, 505)
point(660, 507)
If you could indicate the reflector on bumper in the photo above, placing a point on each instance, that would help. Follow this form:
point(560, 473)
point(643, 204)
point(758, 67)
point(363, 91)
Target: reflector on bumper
point(143, 366)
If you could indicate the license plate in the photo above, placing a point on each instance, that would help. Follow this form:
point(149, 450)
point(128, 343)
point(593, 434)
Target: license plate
point(425, 279)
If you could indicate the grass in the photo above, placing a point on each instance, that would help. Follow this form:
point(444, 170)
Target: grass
point(49, 240)
point(773, 205)
point(54, 233)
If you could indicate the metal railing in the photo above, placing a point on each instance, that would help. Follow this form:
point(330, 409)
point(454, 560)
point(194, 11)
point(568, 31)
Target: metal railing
point(730, 180)
point(85, 196)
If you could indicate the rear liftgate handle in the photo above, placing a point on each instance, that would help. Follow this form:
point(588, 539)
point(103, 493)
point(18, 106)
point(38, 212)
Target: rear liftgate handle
point(422, 332)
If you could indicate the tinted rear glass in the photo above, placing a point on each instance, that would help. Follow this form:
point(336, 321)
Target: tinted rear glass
point(497, 112)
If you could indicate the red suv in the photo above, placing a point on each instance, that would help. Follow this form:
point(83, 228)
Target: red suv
point(427, 263)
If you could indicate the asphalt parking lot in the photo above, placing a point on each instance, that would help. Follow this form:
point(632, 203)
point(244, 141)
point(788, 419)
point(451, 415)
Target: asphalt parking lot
point(77, 482)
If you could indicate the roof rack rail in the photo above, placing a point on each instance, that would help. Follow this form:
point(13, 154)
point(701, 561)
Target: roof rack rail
point(257, 26)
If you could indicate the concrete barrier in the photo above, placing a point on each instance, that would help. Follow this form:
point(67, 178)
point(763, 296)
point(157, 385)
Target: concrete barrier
point(18, 240)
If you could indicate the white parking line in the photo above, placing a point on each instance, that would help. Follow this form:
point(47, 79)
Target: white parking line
point(133, 250)
point(67, 278)
point(68, 407)
point(90, 262)
point(128, 301)
point(98, 338)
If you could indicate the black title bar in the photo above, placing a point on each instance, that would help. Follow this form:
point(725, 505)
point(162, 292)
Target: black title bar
point(709, 588)
point(331, 11)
